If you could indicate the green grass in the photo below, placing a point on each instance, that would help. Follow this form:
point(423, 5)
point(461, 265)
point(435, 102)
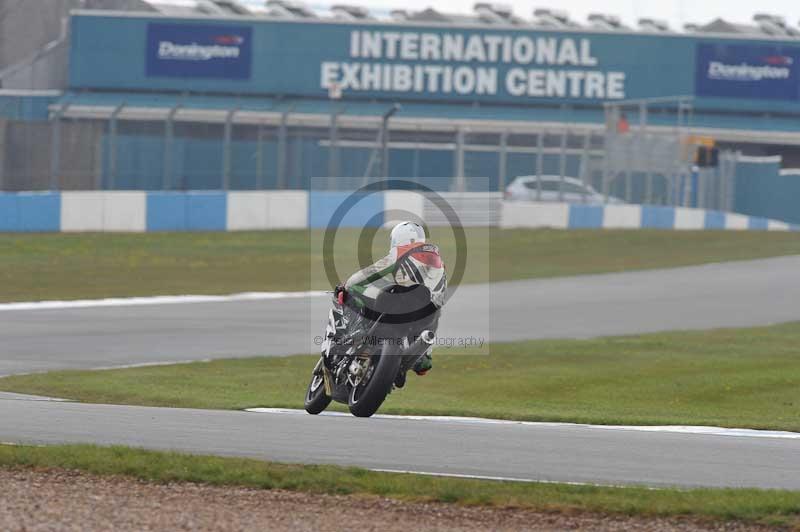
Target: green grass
point(728, 377)
point(766, 506)
point(75, 266)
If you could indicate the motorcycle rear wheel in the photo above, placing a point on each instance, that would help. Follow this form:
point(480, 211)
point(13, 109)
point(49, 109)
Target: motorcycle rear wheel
point(316, 399)
point(367, 397)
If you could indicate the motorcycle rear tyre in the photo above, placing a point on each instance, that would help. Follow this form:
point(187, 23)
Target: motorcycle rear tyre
point(371, 396)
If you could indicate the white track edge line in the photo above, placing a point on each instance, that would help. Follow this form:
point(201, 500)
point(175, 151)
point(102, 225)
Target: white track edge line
point(156, 300)
point(679, 429)
point(119, 366)
point(446, 475)
point(13, 396)
point(507, 479)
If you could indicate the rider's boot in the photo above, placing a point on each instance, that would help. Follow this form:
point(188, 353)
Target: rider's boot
point(421, 367)
point(423, 364)
point(400, 380)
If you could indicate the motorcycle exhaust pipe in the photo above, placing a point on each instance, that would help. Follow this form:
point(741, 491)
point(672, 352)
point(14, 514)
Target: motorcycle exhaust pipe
point(420, 345)
point(428, 337)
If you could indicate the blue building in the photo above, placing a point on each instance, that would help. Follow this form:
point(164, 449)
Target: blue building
point(161, 96)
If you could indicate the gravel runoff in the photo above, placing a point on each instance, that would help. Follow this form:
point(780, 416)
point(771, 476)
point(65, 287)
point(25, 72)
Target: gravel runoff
point(58, 500)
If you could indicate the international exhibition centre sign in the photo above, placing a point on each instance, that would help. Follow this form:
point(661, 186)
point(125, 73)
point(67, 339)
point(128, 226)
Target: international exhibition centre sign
point(423, 63)
point(479, 64)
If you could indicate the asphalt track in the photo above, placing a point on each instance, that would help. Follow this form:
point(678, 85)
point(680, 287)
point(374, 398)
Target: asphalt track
point(546, 452)
point(716, 295)
point(730, 294)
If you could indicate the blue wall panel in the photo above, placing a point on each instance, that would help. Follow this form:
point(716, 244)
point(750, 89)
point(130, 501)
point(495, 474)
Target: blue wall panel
point(39, 212)
point(206, 211)
point(481, 164)
point(518, 164)
point(26, 107)
point(9, 213)
point(585, 216)
point(196, 164)
point(762, 191)
point(194, 211)
point(757, 224)
point(140, 163)
point(323, 205)
point(715, 220)
point(30, 212)
point(658, 217)
point(166, 211)
point(434, 165)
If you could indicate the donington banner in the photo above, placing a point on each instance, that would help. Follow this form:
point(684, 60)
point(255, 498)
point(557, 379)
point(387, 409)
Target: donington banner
point(198, 51)
point(747, 71)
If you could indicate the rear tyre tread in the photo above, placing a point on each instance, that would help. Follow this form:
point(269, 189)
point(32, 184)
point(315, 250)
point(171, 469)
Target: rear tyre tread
point(379, 386)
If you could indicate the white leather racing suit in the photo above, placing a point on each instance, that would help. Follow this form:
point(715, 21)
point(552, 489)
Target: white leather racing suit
point(414, 264)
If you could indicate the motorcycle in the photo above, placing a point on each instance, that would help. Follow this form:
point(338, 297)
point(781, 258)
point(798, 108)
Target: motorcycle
point(365, 350)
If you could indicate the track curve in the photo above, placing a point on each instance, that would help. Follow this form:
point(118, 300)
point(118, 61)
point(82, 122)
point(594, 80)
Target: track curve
point(729, 294)
point(717, 295)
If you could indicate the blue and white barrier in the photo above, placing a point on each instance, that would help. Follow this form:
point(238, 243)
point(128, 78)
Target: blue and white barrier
point(138, 211)
point(579, 216)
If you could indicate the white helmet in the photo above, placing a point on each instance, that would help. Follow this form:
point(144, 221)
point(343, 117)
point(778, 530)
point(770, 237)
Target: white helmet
point(406, 233)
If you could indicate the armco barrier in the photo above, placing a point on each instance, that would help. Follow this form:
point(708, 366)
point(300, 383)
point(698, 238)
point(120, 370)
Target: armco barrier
point(138, 211)
point(579, 216)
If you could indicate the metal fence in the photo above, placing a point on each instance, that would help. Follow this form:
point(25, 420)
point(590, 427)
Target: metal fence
point(194, 149)
point(656, 165)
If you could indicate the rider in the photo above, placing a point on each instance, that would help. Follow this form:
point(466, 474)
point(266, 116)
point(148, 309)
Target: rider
point(411, 261)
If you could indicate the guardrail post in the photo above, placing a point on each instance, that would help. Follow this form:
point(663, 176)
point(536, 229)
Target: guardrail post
point(630, 144)
point(647, 145)
point(259, 184)
point(385, 139)
point(55, 147)
point(562, 164)
point(503, 162)
point(458, 163)
point(226, 150)
point(166, 179)
point(333, 148)
point(112, 147)
point(585, 157)
point(539, 164)
point(282, 145)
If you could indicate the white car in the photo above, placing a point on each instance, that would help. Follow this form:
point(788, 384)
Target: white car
point(526, 188)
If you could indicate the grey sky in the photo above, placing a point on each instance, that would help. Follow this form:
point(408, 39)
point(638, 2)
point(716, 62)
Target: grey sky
point(676, 12)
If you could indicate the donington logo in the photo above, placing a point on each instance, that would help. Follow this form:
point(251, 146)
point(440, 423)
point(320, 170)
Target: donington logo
point(199, 51)
point(746, 72)
point(196, 52)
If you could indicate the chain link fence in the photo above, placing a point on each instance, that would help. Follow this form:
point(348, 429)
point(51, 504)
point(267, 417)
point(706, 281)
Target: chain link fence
point(628, 160)
point(655, 163)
